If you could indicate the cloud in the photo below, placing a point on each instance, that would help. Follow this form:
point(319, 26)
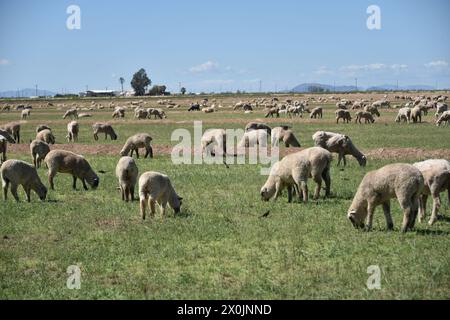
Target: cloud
point(4, 62)
point(323, 70)
point(364, 67)
point(438, 64)
point(399, 67)
point(204, 67)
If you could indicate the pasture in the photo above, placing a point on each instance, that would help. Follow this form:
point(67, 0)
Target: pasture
point(219, 246)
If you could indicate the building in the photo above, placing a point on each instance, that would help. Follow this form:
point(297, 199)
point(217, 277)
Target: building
point(100, 93)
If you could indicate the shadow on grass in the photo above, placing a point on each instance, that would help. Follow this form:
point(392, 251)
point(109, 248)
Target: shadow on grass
point(427, 232)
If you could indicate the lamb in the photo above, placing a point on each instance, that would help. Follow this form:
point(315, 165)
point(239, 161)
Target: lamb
point(155, 187)
point(17, 172)
point(294, 170)
point(404, 114)
point(373, 110)
point(316, 113)
point(42, 127)
point(271, 112)
point(127, 173)
point(68, 162)
point(119, 112)
point(256, 126)
point(436, 174)
point(73, 128)
point(104, 128)
point(25, 113)
point(402, 181)
point(340, 144)
point(3, 147)
point(72, 113)
point(46, 136)
point(133, 143)
point(367, 116)
point(416, 114)
point(13, 129)
point(445, 117)
point(39, 150)
point(286, 135)
point(344, 115)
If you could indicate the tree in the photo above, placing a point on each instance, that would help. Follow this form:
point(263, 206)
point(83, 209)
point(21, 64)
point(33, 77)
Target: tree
point(122, 81)
point(157, 90)
point(183, 90)
point(140, 82)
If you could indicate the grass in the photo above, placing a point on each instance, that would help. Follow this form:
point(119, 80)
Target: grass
point(218, 247)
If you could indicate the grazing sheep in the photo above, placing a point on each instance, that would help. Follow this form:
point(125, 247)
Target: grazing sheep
point(46, 136)
point(367, 116)
point(286, 135)
point(344, 115)
point(13, 129)
point(440, 109)
point(68, 162)
point(373, 110)
point(42, 127)
point(3, 148)
point(436, 174)
point(399, 180)
point(271, 112)
point(404, 114)
point(155, 187)
point(293, 172)
point(133, 143)
point(119, 112)
point(39, 150)
point(72, 113)
point(127, 173)
point(256, 126)
point(104, 128)
point(416, 114)
point(316, 113)
point(340, 144)
point(208, 110)
point(253, 138)
point(381, 104)
point(156, 112)
point(6, 108)
point(25, 113)
point(140, 114)
point(16, 172)
point(7, 136)
point(194, 107)
point(73, 128)
point(445, 117)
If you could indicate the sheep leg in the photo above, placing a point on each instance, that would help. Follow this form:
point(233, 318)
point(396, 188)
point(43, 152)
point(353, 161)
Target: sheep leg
point(408, 214)
point(436, 206)
point(326, 177)
point(143, 205)
point(84, 184)
point(127, 193)
point(14, 191)
point(370, 213)
point(152, 207)
point(289, 194)
point(278, 188)
point(5, 189)
point(18, 137)
point(95, 136)
point(27, 193)
point(422, 206)
point(106, 135)
point(345, 160)
point(162, 207)
point(387, 215)
point(132, 193)
point(318, 180)
point(304, 187)
point(137, 152)
point(150, 151)
point(51, 176)
point(74, 184)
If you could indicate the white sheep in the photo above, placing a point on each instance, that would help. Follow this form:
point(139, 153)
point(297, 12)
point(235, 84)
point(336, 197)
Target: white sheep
point(13, 128)
point(404, 114)
point(73, 128)
point(344, 115)
point(378, 187)
point(155, 187)
point(436, 174)
point(445, 117)
point(3, 148)
point(127, 173)
point(286, 135)
point(17, 172)
point(133, 143)
point(25, 113)
point(416, 114)
point(316, 113)
point(105, 128)
point(293, 171)
point(72, 113)
point(46, 135)
point(38, 149)
point(367, 116)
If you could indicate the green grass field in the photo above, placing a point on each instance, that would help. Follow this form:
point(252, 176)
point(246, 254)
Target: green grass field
point(219, 247)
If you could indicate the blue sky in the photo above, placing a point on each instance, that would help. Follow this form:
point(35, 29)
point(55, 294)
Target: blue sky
point(223, 45)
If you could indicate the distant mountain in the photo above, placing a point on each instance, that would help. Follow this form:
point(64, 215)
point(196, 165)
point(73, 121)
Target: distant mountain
point(315, 87)
point(25, 93)
point(390, 87)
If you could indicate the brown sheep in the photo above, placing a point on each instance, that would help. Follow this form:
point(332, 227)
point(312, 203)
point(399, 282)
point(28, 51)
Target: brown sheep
point(133, 143)
point(104, 128)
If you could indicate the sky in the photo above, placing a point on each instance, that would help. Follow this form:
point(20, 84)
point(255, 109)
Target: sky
point(207, 45)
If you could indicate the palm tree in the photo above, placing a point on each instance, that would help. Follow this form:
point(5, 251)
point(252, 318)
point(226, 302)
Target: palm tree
point(122, 81)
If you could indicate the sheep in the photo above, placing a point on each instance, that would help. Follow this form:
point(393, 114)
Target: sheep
point(157, 113)
point(84, 115)
point(294, 170)
point(340, 144)
point(373, 110)
point(127, 173)
point(445, 117)
point(416, 114)
point(6, 108)
point(404, 114)
point(367, 116)
point(208, 110)
point(381, 104)
point(286, 135)
point(256, 126)
point(344, 115)
point(133, 143)
point(72, 113)
point(253, 138)
point(316, 113)
point(271, 112)
point(13, 129)
point(17, 172)
point(141, 114)
point(73, 128)
point(194, 107)
point(119, 112)
point(436, 174)
point(3, 148)
point(68, 162)
point(105, 128)
point(215, 140)
point(46, 136)
point(42, 127)
point(440, 108)
point(39, 150)
point(341, 105)
point(25, 114)
point(155, 187)
point(402, 181)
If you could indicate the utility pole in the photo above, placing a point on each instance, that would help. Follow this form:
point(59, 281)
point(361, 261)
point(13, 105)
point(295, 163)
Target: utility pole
point(36, 90)
point(356, 83)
